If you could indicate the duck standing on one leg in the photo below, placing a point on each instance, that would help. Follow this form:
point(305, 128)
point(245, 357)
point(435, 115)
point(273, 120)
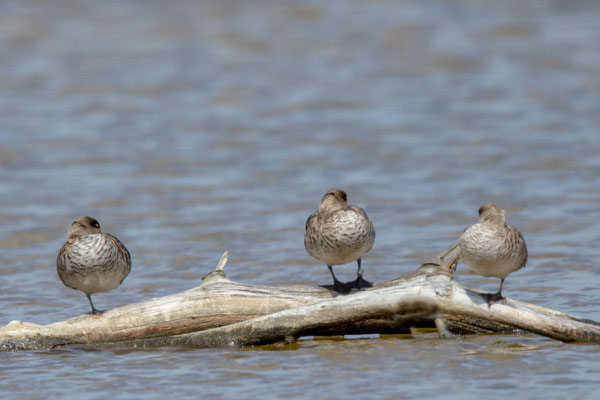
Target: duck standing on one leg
point(92, 261)
point(493, 248)
point(338, 233)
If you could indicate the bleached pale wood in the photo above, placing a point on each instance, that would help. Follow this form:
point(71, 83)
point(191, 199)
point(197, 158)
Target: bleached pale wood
point(216, 302)
point(421, 299)
point(220, 313)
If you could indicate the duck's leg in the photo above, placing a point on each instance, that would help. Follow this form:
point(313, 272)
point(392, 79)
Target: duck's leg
point(360, 282)
point(337, 285)
point(496, 296)
point(94, 309)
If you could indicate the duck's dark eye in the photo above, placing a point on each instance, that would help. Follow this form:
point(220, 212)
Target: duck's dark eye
point(95, 224)
point(480, 210)
point(344, 197)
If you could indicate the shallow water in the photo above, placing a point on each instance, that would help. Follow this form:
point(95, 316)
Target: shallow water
point(192, 128)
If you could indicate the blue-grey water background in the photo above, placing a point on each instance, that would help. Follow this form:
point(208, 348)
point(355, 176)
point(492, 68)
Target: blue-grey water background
point(188, 128)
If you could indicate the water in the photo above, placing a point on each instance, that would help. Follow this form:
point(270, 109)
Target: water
point(190, 128)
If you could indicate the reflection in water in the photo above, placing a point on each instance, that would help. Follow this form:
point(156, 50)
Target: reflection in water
point(195, 127)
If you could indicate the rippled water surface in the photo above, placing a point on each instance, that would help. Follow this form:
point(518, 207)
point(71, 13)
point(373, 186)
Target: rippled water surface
point(188, 128)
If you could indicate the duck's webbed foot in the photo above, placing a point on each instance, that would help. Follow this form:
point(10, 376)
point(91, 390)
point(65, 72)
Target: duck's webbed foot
point(360, 283)
point(340, 287)
point(494, 298)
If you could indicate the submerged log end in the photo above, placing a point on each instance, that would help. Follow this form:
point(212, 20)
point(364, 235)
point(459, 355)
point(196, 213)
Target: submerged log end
point(442, 328)
point(19, 326)
point(19, 335)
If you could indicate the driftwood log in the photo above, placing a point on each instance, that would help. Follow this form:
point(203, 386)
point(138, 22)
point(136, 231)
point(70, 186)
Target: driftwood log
point(222, 313)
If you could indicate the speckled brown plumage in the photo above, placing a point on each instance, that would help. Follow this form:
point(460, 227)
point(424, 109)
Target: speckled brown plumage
point(491, 247)
point(338, 233)
point(92, 261)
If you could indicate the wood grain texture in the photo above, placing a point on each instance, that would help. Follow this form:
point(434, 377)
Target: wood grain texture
point(222, 313)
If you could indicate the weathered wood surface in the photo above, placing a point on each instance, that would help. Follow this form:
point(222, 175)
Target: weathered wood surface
point(221, 313)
